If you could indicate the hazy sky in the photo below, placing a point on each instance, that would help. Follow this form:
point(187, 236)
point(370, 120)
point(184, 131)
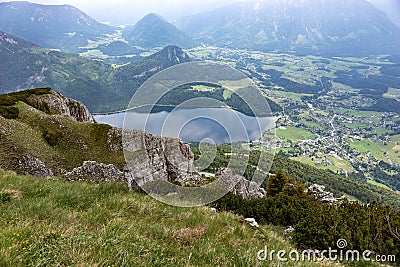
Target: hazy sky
point(129, 11)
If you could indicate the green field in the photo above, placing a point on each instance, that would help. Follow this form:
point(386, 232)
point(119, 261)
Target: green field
point(336, 167)
point(294, 134)
point(304, 160)
point(294, 96)
point(360, 113)
point(379, 184)
point(339, 163)
point(376, 148)
point(394, 149)
point(395, 138)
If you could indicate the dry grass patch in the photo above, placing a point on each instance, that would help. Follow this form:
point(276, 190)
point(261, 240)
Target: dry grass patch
point(189, 235)
point(10, 194)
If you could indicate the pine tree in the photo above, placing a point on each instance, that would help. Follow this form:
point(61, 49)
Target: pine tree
point(276, 183)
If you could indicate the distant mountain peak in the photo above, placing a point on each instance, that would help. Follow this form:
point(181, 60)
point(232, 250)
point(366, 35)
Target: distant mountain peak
point(154, 16)
point(173, 54)
point(154, 31)
point(51, 26)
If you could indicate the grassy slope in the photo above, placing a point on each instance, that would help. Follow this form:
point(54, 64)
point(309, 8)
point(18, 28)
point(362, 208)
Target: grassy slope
point(76, 142)
point(78, 224)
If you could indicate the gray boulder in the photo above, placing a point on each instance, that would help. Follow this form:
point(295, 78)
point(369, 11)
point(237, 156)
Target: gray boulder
point(241, 186)
point(319, 193)
point(33, 166)
point(95, 172)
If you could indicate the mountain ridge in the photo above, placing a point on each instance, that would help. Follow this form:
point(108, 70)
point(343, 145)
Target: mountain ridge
point(51, 26)
point(101, 86)
point(351, 27)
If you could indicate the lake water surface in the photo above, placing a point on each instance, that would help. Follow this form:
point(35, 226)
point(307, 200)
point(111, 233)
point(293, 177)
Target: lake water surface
point(221, 125)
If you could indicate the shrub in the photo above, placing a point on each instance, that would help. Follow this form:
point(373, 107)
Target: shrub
point(9, 112)
point(51, 137)
point(277, 183)
point(5, 197)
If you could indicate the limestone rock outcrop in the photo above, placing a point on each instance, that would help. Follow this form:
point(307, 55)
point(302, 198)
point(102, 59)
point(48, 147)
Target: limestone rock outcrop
point(150, 158)
point(56, 104)
point(242, 186)
point(95, 172)
point(33, 166)
point(319, 193)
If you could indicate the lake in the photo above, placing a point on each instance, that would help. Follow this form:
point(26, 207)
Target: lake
point(215, 125)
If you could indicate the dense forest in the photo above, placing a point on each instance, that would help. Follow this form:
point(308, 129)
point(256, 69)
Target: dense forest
point(186, 92)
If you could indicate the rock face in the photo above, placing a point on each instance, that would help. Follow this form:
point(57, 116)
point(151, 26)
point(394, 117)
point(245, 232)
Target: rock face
point(95, 172)
point(56, 104)
point(318, 191)
point(33, 166)
point(243, 187)
point(150, 158)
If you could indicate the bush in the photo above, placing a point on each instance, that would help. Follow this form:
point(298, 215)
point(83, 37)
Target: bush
point(5, 197)
point(51, 137)
point(9, 112)
point(318, 226)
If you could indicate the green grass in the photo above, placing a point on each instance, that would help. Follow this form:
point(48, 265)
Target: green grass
point(227, 94)
point(340, 163)
point(360, 113)
point(304, 160)
point(336, 167)
point(379, 184)
point(310, 124)
point(295, 134)
point(234, 85)
point(57, 140)
point(395, 138)
point(55, 223)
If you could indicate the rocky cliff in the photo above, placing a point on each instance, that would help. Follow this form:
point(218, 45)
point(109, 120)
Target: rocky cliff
point(54, 103)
